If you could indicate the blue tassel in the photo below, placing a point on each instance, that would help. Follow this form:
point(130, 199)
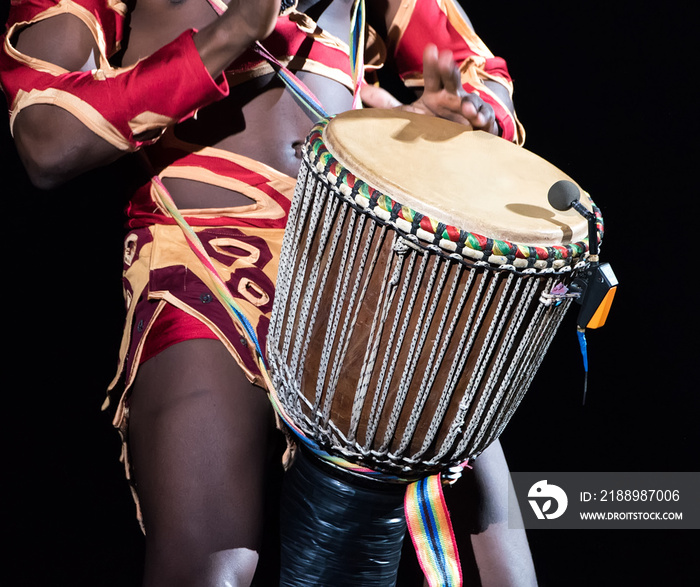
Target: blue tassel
point(584, 352)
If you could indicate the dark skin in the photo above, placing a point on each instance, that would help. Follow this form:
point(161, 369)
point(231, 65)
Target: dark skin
point(200, 433)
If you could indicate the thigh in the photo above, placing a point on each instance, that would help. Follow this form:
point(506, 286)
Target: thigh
point(198, 435)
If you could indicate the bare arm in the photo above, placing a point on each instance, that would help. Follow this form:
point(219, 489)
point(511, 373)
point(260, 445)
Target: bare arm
point(492, 553)
point(52, 143)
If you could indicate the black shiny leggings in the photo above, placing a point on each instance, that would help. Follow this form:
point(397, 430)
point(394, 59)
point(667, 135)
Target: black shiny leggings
point(337, 530)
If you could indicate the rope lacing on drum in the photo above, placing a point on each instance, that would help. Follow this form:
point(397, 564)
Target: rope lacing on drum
point(386, 296)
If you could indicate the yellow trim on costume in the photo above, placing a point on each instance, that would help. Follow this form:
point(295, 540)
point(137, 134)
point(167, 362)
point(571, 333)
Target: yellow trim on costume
point(294, 63)
point(220, 4)
point(309, 27)
point(265, 207)
point(400, 23)
point(85, 113)
point(147, 121)
point(63, 7)
point(463, 27)
point(32, 62)
point(274, 177)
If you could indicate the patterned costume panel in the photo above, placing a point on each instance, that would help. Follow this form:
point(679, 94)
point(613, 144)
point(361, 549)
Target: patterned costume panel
point(243, 244)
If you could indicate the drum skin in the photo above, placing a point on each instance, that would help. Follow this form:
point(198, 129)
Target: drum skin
point(402, 348)
point(472, 180)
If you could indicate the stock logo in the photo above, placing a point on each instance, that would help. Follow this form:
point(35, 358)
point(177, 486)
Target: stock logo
point(544, 498)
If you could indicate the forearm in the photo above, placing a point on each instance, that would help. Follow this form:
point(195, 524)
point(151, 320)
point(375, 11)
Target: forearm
point(480, 507)
point(502, 93)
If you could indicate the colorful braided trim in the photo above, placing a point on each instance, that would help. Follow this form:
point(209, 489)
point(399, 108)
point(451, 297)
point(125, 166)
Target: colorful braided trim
point(450, 239)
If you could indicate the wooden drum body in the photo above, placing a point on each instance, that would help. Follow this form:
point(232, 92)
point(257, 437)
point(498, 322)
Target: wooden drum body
point(414, 295)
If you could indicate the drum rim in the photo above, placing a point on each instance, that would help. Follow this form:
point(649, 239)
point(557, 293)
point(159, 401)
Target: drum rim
point(430, 231)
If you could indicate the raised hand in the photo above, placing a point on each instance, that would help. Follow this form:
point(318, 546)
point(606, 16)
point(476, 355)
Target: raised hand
point(444, 96)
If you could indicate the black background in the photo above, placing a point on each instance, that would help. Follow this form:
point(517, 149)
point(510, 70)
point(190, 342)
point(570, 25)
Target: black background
point(604, 91)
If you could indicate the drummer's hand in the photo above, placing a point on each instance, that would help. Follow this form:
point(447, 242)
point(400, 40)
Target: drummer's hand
point(444, 96)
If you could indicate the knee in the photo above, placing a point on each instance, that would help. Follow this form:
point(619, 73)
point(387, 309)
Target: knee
point(235, 567)
point(225, 568)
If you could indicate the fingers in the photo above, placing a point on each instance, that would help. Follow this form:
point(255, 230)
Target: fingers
point(449, 73)
point(479, 113)
point(440, 71)
point(445, 97)
point(431, 72)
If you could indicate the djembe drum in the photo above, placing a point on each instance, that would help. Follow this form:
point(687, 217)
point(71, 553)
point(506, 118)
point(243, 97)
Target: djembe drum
point(418, 291)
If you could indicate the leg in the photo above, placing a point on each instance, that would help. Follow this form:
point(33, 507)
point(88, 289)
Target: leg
point(198, 436)
point(492, 554)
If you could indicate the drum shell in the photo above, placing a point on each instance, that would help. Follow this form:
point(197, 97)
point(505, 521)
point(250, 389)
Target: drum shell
point(433, 382)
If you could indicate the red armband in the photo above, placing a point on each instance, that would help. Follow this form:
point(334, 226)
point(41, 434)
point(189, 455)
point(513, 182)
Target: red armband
point(421, 22)
point(118, 104)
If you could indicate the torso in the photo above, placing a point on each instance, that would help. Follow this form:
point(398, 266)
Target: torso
point(259, 119)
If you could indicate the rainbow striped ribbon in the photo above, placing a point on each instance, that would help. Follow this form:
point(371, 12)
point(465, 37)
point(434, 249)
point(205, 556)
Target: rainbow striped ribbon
point(299, 91)
point(304, 95)
point(431, 531)
point(357, 50)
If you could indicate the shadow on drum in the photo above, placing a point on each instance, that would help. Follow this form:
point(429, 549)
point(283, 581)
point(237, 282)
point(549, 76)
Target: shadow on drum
point(433, 130)
point(541, 213)
point(411, 132)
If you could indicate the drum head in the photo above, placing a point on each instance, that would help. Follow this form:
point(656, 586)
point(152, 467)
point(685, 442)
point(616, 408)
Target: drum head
point(471, 180)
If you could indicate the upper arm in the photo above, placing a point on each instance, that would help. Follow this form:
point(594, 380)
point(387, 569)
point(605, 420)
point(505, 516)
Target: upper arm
point(63, 40)
point(52, 142)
